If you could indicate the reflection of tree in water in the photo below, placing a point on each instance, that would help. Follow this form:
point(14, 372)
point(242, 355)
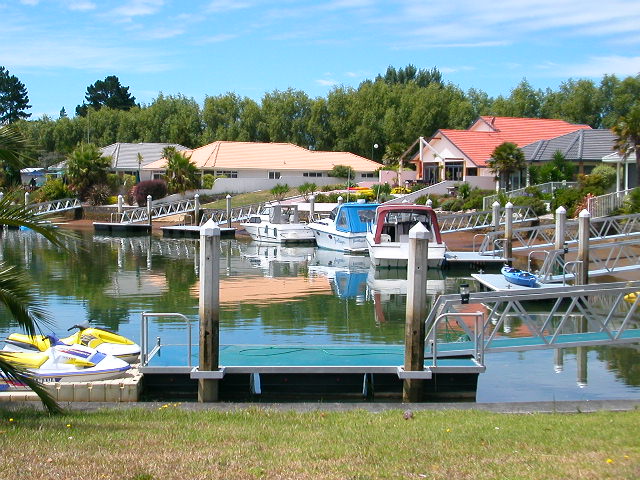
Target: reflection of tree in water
point(623, 361)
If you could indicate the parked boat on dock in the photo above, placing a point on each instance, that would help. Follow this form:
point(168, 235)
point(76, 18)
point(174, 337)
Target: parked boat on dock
point(278, 224)
point(346, 227)
point(519, 277)
point(388, 236)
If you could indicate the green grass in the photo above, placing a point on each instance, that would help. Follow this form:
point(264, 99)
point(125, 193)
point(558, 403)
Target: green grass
point(242, 199)
point(170, 442)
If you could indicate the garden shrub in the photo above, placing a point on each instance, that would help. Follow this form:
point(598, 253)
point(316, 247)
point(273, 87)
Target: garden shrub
point(53, 189)
point(632, 202)
point(156, 188)
point(207, 181)
point(536, 204)
point(98, 194)
point(452, 204)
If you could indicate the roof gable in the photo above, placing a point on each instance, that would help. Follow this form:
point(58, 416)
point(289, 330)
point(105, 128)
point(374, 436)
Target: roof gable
point(578, 145)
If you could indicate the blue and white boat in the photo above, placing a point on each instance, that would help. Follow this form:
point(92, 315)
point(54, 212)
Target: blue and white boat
point(519, 277)
point(346, 227)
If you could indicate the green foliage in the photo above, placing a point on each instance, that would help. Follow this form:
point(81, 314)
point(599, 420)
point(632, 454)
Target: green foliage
point(53, 189)
point(106, 93)
point(156, 188)
point(536, 204)
point(568, 198)
point(557, 170)
point(603, 176)
point(452, 204)
point(632, 202)
point(14, 101)
point(381, 191)
point(506, 159)
point(464, 190)
point(181, 175)
point(306, 189)
point(342, 171)
point(86, 167)
point(279, 191)
point(208, 180)
point(99, 194)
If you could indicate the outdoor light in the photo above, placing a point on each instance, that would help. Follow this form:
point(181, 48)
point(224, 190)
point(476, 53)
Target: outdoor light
point(464, 293)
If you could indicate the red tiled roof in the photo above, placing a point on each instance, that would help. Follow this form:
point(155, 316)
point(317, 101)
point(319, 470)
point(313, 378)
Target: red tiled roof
point(478, 145)
point(225, 155)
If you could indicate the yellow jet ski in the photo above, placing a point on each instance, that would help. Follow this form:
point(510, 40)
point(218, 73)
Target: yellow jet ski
point(102, 340)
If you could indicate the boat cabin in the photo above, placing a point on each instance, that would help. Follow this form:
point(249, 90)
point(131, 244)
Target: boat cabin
point(353, 217)
point(276, 214)
point(393, 222)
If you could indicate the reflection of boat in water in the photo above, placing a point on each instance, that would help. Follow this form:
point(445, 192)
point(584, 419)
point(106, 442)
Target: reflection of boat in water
point(347, 273)
point(346, 227)
point(277, 260)
point(333, 260)
point(394, 281)
point(388, 240)
point(278, 224)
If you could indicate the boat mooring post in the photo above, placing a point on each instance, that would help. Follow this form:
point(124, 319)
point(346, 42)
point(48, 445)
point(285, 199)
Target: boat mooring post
point(495, 216)
point(416, 310)
point(149, 209)
point(561, 221)
point(583, 247)
point(228, 198)
point(209, 310)
point(26, 198)
point(196, 209)
point(508, 232)
point(312, 207)
point(120, 205)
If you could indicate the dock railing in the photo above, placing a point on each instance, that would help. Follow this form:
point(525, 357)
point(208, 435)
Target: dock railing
point(553, 317)
point(145, 354)
point(603, 205)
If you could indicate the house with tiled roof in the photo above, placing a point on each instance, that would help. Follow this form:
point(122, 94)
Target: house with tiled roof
point(251, 166)
point(129, 158)
point(463, 155)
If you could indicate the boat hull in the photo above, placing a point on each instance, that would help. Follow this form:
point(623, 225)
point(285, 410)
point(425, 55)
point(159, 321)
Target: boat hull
point(396, 254)
point(340, 241)
point(279, 233)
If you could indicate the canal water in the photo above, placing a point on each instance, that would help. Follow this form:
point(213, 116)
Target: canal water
point(283, 295)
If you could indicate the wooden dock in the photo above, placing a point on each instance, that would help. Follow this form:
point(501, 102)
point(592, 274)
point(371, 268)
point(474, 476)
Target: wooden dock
point(193, 231)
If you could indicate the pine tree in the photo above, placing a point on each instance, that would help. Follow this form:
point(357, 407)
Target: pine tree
point(14, 100)
point(107, 93)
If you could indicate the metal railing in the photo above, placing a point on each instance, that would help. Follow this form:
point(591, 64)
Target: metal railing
point(145, 354)
point(238, 214)
point(548, 187)
point(158, 210)
point(563, 316)
point(603, 205)
point(431, 339)
point(542, 236)
point(457, 222)
point(55, 206)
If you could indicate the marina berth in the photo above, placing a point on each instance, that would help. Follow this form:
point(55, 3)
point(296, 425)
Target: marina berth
point(388, 236)
point(346, 227)
point(278, 224)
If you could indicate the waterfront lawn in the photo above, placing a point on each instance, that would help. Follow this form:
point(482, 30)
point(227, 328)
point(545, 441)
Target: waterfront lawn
point(171, 442)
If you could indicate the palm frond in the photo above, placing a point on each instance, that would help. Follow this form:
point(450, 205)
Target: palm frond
point(16, 296)
point(12, 143)
point(12, 373)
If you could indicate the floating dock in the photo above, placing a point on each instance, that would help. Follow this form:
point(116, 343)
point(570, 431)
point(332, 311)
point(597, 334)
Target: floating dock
point(122, 227)
point(193, 231)
point(473, 258)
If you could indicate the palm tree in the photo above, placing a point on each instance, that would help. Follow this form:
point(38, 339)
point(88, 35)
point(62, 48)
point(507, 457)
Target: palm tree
point(181, 174)
point(15, 287)
point(627, 131)
point(505, 160)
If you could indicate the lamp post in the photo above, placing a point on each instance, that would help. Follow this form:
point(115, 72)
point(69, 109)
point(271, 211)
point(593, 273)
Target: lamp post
point(374, 146)
point(464, 293)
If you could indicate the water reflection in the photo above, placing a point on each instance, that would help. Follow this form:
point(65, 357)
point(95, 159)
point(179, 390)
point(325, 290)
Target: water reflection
point(285, 295)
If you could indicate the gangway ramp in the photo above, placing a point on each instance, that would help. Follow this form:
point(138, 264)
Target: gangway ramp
point(532, 319)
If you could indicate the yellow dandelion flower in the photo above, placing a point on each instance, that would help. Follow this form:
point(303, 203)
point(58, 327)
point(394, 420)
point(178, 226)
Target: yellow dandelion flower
point(609, 460)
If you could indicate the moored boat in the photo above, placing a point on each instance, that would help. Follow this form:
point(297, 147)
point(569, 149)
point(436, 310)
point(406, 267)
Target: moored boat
point(346, 227)
point(519, 277)
point(388, 236)
point(278, 224)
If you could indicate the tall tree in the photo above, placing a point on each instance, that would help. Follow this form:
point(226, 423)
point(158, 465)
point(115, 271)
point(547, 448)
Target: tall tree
point(86, 167)
point(627, 131)
point(506, 160)
point(14, 100)
point(106, 93)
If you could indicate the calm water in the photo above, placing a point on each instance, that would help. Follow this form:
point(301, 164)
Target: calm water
point(284, 295)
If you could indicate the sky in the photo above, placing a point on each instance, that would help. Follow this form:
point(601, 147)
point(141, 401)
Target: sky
point(200, 48)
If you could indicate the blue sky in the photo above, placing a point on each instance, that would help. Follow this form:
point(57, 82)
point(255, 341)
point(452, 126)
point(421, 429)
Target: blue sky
point(201, 48)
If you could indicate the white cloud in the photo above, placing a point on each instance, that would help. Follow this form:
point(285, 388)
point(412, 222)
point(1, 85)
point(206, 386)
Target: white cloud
point(326, 82)
point(81, 6)
point(596, 67)
point(137, 8)
point(31, 3)
point(221, 6)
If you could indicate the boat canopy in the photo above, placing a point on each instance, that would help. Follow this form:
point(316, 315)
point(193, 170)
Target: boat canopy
point(401, 218)
point(354, 217)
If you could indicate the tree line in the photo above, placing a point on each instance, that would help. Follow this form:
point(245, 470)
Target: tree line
point(390, 111)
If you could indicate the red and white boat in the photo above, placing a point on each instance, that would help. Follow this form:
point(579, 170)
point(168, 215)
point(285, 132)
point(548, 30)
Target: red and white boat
point(388, 236)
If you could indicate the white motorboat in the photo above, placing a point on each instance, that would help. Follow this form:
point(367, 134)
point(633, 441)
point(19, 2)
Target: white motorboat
point(388, 236)
point(278, 224)
point(346, 227)
point(67, 363)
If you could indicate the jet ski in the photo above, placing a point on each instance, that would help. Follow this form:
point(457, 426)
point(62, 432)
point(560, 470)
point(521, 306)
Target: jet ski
point(102, 340)
point(67, 363)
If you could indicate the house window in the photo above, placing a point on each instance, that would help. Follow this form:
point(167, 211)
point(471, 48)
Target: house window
point(158, 175)
point(274, 175)
point(312, 174)
point(226, 173)
point(472, 172)
point(369, 175)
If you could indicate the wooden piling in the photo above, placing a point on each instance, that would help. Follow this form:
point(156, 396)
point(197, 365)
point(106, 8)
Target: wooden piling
point(209, 311)
point(508, 232)
point(416, 310)
point(582, 278)
point(312, 207)
point(26, 198)
point(120, 206)
point(495, 216)
point(561, 221)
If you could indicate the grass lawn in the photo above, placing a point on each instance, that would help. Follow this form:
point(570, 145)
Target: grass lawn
point(170, 442)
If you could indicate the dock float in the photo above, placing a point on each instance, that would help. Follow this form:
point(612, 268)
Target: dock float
point(473, 258)
point(122, 227)
point(193, 231)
